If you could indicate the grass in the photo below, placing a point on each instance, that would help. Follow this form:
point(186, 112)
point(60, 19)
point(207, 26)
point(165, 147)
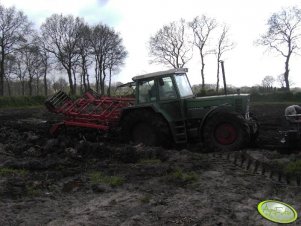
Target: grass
point(179, 176)
point(13, 172)
point(97, 177)
point(293, 167)
point(145, 199)
point(33, 191)
point(21, 101)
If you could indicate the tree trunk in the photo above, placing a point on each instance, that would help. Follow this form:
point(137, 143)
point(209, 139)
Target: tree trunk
point(8, 87)
point(30, 85)
point(84, 72)
point(224, 77)
point(103, 82)
point(217, 76)
point(286, 73)
point(202, 70)
point(96, 77)
point(69, 72)
point(110, 82)
point(81, 84)
point(74, 82)
point(22, 87)
point(38, 87)
point(45, 83)
point(100, 71)
point(2, 72)
point(88, 81)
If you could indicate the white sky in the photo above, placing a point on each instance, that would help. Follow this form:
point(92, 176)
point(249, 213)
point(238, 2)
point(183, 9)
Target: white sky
point(137, 20)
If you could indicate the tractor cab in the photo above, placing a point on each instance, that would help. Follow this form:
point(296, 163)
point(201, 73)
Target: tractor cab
point(162, 86)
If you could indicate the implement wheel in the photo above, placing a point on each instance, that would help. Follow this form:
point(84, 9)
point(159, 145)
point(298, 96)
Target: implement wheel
point(226, 131)
point(147, 127)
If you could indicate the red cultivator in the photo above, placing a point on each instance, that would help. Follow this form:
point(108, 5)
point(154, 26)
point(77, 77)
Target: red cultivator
point(91, 110)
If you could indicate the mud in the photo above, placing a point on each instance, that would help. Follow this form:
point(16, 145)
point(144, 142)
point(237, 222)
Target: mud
point(83, 178)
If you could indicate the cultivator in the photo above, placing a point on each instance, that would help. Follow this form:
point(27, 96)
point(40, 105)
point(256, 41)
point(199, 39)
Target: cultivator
point(91, 110)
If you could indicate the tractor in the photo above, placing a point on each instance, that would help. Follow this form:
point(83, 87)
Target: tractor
point(164, 111)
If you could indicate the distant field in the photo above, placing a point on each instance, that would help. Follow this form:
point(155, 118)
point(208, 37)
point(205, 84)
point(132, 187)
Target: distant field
point(21, 101)
point(256, 100)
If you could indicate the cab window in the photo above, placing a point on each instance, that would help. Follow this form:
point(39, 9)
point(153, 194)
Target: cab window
point(147, 91)
point(166, 89)
point(183, 85)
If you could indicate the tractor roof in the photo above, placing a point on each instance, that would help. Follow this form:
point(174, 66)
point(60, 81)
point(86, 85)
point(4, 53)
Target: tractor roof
point(160, 73)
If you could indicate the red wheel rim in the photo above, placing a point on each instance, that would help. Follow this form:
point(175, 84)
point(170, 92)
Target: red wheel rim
point(225, 133)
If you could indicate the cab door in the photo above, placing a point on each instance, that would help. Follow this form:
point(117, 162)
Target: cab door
point(170, 106)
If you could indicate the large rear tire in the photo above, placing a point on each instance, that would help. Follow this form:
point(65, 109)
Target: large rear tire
point(226, 131)
point(147, 127)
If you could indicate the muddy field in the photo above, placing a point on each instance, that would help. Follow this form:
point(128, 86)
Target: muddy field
point(79, 179)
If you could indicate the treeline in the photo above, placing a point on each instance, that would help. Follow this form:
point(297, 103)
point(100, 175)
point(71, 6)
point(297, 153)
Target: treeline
point(174, 43)
point(63, 44)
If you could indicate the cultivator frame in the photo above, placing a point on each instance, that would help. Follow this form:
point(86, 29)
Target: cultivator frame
point(90, 110)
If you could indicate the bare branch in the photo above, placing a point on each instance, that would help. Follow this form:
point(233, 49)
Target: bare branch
point(170, 45)
point(283, 36)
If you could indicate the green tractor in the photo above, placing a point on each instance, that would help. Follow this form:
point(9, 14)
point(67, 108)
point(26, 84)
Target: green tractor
point(166, 111)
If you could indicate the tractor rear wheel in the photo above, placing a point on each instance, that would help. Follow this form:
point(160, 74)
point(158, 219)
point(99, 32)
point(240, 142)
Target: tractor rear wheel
point(144, 126)
point(144, 133)
point(226, 131)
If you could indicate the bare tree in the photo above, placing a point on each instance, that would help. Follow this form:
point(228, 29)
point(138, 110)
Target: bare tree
point(202, 28)
point(98, 41)
point(170, 45)
point(10, 64)
point(20, 70)
point(106, 45)
point(60, 84)
point(32, 62)
point(223, 45)
point(268, 81)
point(14, 28)
point(115, 58)
point(84, 51)
point(280, 80)
point(61, 36)
point(283, 36)
point(46, 62)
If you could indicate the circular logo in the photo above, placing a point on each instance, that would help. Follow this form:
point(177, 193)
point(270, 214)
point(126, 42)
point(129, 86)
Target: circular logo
point(276, 211)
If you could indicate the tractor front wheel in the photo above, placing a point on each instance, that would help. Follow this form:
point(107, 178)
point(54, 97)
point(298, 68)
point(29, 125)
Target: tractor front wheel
point(226, 131)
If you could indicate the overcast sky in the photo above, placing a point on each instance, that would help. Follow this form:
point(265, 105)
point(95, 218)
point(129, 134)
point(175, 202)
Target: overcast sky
point(137, 20)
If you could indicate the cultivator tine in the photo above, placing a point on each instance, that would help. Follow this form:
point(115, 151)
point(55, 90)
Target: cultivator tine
point(57, 101)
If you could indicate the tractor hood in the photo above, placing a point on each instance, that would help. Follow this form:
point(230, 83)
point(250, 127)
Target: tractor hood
point(239, 102)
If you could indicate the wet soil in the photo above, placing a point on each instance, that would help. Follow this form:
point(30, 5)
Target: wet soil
point(80, 179)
